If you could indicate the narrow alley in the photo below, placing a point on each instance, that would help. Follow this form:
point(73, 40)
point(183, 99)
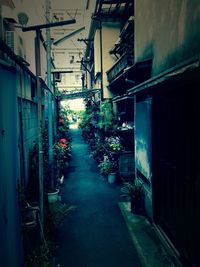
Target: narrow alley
point(99, 133)
point(94, 233)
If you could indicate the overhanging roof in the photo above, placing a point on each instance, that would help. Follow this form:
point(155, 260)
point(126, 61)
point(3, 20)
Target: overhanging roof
point(177, 73)
point(113, 9)
point(122, 98)
point(77, 94)
point(134, 74)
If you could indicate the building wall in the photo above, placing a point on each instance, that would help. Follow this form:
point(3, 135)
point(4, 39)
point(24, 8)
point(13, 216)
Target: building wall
point(70, 81)
point(97, 52)
point(168, 31)
point(30, 129)
point(24, 41)
point(10, 253)
point(27, 116)
point(68, 53)
point(110, 34)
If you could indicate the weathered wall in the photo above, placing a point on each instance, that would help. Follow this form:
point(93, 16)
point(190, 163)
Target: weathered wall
point(97, 52)
point(167, 30)
point(29, 127)
point(24, 41)
point(27, 117)
point(10, 252)
point(143, 150)
point(110, 34)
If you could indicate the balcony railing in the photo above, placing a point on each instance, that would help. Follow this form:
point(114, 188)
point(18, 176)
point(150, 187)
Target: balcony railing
point(122, 63)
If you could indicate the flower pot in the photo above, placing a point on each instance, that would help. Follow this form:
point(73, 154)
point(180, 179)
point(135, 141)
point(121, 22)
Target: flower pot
point(53, 196)
point(111, 178)
point(30, 217)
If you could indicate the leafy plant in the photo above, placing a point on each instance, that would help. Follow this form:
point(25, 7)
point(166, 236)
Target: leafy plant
point(62, 154)
point(106, 118)
point(63, 127)
point(86, 124)
point(99, 152)
point(39, 257)
point(62, 150)
point(108, 165)
point(114, 143)
point(132, 189)
point(58, 211)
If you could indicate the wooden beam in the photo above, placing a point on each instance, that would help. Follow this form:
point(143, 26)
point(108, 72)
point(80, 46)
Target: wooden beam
point(111, 2)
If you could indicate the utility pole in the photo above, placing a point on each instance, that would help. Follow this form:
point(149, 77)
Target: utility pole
point(50, 124)
point(37, 29)
point(40, 148)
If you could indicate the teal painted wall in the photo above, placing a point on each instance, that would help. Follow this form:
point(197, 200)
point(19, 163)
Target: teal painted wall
point(10, 234)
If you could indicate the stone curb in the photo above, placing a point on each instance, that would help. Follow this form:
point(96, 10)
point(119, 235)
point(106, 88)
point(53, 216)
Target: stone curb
point(150, 250)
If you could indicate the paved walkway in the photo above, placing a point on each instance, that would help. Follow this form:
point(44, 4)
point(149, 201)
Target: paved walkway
point(95, 233)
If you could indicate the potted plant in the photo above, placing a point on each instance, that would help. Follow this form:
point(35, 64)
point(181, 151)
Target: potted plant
point(29, 216)
point(114, 143)
point(29, 212)
point(133, 190)
point(62, 154)
point(108, 167)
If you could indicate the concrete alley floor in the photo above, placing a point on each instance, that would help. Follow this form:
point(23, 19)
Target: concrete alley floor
point(95, 233)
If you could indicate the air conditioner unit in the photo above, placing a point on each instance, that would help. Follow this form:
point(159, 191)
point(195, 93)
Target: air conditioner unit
point(10, 39)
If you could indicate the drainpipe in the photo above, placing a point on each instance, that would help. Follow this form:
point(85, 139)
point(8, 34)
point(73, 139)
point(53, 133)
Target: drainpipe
point(101, 58)
point(50, 125)
point(22, 154)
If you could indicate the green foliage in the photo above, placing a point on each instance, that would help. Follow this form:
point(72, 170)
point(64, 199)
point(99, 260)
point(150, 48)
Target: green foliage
point(86, 124)
point(42, 255)
point(106, 119)
point(99, 151)
point(114, 143)
point(132, 189)
point(63, 127)
point(62, 154)
point(58, 211)
point(39, 257)
point(108, 165)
